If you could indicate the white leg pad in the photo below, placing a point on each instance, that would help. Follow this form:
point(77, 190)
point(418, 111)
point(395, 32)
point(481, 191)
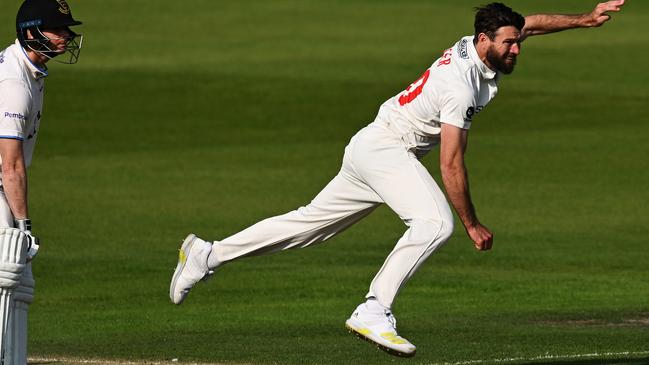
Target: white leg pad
point(16, 350)
point(13, 254)
point(6, 307)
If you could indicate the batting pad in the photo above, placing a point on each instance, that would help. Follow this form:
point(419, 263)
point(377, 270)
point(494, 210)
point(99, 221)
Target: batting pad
point(16, 347)
point(13, 254)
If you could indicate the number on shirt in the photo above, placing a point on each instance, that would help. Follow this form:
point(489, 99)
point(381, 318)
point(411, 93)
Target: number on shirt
point(414, 89)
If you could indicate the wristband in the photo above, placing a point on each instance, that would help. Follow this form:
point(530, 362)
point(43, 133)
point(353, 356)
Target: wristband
point(24, 225)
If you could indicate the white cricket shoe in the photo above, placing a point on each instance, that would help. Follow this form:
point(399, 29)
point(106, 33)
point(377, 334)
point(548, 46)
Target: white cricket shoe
point(375, 323)
point(191, 268)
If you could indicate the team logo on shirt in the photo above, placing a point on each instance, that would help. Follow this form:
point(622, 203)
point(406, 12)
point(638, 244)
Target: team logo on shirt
point(462, 49)
point(2, 57)
point(63, 7)
point(33, 133)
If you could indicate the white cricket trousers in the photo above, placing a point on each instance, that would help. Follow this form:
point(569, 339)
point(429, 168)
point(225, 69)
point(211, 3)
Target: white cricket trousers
point(379, 166)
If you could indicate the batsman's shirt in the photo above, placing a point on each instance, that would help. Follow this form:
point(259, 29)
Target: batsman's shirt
point(457, 86)
point(21, 98)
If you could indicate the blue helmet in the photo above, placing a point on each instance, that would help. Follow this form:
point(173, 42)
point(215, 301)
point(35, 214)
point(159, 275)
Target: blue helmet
point(34, 16)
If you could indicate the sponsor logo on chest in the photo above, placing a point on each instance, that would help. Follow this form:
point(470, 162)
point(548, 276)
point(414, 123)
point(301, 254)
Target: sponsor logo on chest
point(14, 115)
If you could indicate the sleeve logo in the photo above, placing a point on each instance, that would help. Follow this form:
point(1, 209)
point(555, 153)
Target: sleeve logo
point(472, 111)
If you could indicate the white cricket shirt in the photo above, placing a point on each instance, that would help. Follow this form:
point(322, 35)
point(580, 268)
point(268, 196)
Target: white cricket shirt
point(457, 86)
point(21, 98)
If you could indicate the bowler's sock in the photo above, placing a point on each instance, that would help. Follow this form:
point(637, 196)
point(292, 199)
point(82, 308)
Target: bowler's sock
point(373, 305)
point(212, 262)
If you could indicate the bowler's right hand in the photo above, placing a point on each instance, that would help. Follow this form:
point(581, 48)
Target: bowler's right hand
point(481, 236)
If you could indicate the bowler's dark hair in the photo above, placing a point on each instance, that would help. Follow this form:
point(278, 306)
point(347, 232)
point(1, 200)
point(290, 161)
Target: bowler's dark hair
point(493, 16)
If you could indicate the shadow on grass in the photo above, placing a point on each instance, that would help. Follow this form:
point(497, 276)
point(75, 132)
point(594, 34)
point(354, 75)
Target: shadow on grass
point(617, 361)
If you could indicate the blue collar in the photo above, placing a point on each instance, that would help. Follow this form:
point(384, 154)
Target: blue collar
point(36, 71)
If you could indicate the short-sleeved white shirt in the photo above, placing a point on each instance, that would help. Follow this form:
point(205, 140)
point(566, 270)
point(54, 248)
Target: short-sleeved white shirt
point(21, 98)
point(457, 86)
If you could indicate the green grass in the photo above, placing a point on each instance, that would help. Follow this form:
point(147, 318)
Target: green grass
point(206, 116)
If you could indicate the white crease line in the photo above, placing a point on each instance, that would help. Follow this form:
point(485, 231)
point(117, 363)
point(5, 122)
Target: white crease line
point(468, 362)
point(546, 357)
point(70, 360)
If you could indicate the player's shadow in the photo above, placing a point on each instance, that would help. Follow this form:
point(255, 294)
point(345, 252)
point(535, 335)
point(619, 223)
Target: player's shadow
point(614, 361)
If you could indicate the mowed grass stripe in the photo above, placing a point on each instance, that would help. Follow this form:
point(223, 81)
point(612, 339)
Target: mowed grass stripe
point(241, 110)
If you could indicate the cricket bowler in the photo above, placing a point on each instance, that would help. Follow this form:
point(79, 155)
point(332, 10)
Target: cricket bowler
point(43, 33)
point(381, 165)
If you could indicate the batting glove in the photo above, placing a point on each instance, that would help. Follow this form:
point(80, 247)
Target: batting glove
point(33, 243)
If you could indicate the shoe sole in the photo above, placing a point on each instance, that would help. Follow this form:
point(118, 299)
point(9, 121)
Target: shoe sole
point(382, 347)
point(185, 248)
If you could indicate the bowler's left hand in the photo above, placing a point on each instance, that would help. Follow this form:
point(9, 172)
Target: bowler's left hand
point(600, 15)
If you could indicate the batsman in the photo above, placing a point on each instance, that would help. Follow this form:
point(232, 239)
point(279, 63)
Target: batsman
point(43, 33)
point(381, 164)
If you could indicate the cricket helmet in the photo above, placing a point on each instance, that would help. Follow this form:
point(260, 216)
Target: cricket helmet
point(36, 16)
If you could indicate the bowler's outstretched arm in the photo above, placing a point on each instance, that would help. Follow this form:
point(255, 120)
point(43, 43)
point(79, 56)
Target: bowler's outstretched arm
point(538, 24)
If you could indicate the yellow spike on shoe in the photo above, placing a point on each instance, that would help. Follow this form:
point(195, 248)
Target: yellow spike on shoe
point(181, 256)
point(392, 337)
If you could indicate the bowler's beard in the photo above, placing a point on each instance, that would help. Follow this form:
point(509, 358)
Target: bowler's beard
point(500, 63)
